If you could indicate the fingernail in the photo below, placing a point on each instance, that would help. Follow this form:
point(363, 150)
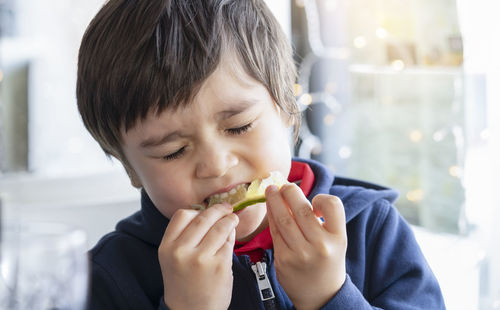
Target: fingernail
point(236, 220)
point(271, 189)
point(225, 206)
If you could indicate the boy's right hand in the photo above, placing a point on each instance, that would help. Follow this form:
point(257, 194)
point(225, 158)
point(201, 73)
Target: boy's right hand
point(196, 258)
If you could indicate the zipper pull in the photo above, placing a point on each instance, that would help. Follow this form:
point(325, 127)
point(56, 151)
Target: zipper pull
point(265, 289)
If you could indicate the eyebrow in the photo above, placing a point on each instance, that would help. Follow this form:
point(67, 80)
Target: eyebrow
point(237, 108)
point(155, 141)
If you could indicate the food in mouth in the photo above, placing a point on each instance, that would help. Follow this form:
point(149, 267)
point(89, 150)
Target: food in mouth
point(245, 195)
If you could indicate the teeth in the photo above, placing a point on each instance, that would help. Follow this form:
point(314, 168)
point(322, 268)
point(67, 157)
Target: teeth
point(234, 195)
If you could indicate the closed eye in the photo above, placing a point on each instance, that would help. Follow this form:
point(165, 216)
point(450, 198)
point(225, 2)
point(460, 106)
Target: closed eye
point(239, 130)
point(176, 154)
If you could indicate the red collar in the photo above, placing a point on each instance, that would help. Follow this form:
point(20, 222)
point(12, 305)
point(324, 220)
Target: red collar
point(303, 175)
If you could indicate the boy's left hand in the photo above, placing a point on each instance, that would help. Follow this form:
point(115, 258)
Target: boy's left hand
point(309, 254)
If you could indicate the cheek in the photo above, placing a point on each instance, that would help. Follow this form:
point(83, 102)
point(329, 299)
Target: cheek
point(271, 147)
point(167, 194)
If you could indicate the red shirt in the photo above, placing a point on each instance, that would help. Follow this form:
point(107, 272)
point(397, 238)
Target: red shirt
point(301, 174)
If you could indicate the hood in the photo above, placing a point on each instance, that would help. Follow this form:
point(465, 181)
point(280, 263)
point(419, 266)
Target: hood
point(355, 195)
point(147, 224)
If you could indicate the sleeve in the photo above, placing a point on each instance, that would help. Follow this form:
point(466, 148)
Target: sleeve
point(396, 274)
point(104, 293)
point(349, 297)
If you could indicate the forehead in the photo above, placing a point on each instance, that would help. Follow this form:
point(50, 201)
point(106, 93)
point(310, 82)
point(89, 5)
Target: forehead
point(231, 66)
point(229, 83)
point(229, 88)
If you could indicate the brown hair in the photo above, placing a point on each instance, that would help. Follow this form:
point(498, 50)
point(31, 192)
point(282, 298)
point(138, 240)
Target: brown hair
point(138, 56)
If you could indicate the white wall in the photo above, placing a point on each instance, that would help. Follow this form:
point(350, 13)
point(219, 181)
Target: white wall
point(282, 10)
point(49, 36)
point(478, 19)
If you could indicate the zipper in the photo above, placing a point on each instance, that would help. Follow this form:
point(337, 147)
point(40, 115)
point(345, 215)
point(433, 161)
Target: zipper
point(265, 289)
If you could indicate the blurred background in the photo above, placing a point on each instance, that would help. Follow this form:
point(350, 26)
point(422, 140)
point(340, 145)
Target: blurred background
point(402, 93)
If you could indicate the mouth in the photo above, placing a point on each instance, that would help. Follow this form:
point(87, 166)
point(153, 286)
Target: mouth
point(243, 195)
point(231, 197)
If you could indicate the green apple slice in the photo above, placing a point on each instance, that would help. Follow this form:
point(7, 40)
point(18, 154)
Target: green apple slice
point(257, 189)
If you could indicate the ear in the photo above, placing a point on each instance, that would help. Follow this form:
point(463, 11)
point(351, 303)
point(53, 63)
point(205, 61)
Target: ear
point(134, 179)
point(286, 118)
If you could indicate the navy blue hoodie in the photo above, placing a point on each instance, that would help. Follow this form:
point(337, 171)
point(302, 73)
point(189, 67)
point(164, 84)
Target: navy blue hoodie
point(385, 267)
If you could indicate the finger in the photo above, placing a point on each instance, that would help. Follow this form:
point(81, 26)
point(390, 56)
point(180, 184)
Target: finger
point(178, 223)
point(226, 250)
point(218, 234)
point(332, 210)
point(278, 243)
point(302, 211)
point(283, 219)
point(201, 224)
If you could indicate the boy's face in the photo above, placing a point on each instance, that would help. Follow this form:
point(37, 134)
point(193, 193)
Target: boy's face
point(231, 133)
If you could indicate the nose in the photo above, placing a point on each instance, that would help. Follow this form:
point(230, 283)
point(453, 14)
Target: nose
point(215, 160)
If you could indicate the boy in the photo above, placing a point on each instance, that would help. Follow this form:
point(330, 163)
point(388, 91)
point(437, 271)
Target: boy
point(195, 99)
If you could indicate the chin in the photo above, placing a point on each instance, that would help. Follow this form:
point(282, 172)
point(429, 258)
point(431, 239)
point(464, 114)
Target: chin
point(252, 221)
